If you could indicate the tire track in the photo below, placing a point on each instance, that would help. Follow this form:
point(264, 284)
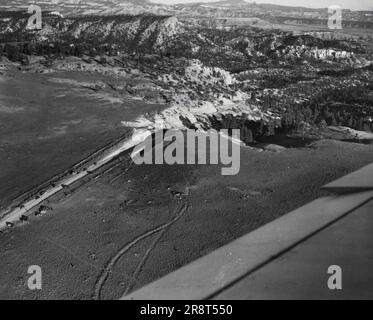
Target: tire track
point(111, 263)
point(143, 261)
point(122, 173)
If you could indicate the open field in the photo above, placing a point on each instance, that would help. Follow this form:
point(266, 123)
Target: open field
point(50, 122)
point(137, 223)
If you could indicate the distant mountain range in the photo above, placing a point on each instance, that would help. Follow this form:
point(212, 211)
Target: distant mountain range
point(117, 4)
point(225, 9)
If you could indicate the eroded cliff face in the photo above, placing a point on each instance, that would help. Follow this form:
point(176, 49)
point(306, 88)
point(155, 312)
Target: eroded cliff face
point(151, 32)
point(206, 98)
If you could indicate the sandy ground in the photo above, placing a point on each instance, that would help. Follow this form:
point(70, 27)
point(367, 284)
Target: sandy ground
point(135, 223)
point(48, 122)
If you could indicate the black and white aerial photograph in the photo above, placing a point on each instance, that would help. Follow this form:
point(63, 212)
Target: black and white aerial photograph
point(186, 150)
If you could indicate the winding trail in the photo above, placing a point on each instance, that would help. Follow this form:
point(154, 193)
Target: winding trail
point(111, 263)
point(143, 261)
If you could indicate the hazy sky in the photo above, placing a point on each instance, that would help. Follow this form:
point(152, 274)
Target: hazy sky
point(347, 4)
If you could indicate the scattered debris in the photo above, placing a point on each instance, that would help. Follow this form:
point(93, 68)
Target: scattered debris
point(43, 209)
point(245, 194)
point(178, 191)
point(129, 202)
point(176, 194)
